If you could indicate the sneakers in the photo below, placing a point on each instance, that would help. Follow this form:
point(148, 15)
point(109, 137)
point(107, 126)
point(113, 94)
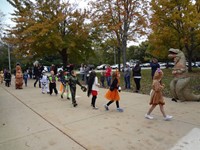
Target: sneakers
point(95, 108)
point(167, 118)
point(106, 107)
point(120, 109)
point(61, 96)
point(148, 116)
point(75, 105)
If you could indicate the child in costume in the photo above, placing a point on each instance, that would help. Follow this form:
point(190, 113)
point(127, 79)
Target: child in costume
point(52, 85)
point(7, 78)
point(113, 93)
point(18, 77)
point(1, 77)
point(44, 83)
point(157, 96)
point(73, 80)
point(25, 77)
point(93, 88)
point(64, 81)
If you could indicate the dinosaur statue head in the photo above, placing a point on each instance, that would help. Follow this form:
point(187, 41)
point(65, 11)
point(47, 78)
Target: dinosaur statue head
point(175, 54)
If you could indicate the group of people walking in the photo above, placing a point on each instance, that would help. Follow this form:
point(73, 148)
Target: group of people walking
point(69, 80)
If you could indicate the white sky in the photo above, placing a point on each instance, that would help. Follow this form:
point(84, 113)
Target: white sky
point(8, 9)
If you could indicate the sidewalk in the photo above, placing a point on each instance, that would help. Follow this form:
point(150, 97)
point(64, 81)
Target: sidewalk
point(30, 120)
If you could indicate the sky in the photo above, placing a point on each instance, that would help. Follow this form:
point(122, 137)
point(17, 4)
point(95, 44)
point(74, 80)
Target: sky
point(7, 9)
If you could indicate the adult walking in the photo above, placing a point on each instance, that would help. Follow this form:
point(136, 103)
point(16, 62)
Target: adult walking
point(154, 66)
point(108, 75)
point(137, 76)
point(82, 72)
point(127, 76)
point(37, 73)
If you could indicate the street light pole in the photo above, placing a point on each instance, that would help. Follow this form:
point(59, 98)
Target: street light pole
point(9, 64)
point(9, 58)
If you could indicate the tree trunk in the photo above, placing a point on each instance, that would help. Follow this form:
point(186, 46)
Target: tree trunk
point(189, 53)
point(124, 52)
point(119, 63)
point(64, 57)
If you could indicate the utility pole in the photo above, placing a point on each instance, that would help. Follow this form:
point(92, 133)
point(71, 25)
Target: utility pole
point(9, 64)
point(9, 58)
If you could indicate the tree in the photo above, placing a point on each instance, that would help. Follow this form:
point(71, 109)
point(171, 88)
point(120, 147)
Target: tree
point(121, 20)
point(50, 27)
point(138, 52)
point(176, 24)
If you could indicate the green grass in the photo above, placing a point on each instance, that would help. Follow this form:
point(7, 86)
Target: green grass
point(146, 81)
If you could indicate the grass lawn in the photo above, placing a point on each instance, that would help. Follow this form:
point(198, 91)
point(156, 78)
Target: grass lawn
point(146, 81)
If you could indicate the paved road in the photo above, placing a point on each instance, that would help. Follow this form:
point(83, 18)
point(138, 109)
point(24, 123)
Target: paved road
point(30, 120)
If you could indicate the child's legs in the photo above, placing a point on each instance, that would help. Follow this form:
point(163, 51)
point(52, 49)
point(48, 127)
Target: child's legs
point(7, 83)
point(46, 88)
point(67, 90)
point(94, 100)
point(117, 104)
point(162, 110)
point(73, 92)
point(64, 87)
point(39, 84)
point(55, 89)
point(42, 86)
point(110, 102)
point(151, 109)
point(50, 88)
point(25, 81)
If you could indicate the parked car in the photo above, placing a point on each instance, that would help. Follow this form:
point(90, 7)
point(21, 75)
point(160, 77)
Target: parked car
point(170, 64)
point(145, 65)
point(193, 64)
point(198, 63)
point(162, 64)
point(115, 66)
point(101, 67)
point(46, 68)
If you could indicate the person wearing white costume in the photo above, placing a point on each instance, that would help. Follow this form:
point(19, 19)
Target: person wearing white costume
point(44, 83)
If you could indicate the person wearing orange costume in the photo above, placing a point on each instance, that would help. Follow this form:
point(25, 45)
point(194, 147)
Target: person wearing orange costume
point(113, 93)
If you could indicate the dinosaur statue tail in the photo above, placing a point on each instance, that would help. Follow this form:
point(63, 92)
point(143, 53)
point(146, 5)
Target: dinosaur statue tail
point(183, 91)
